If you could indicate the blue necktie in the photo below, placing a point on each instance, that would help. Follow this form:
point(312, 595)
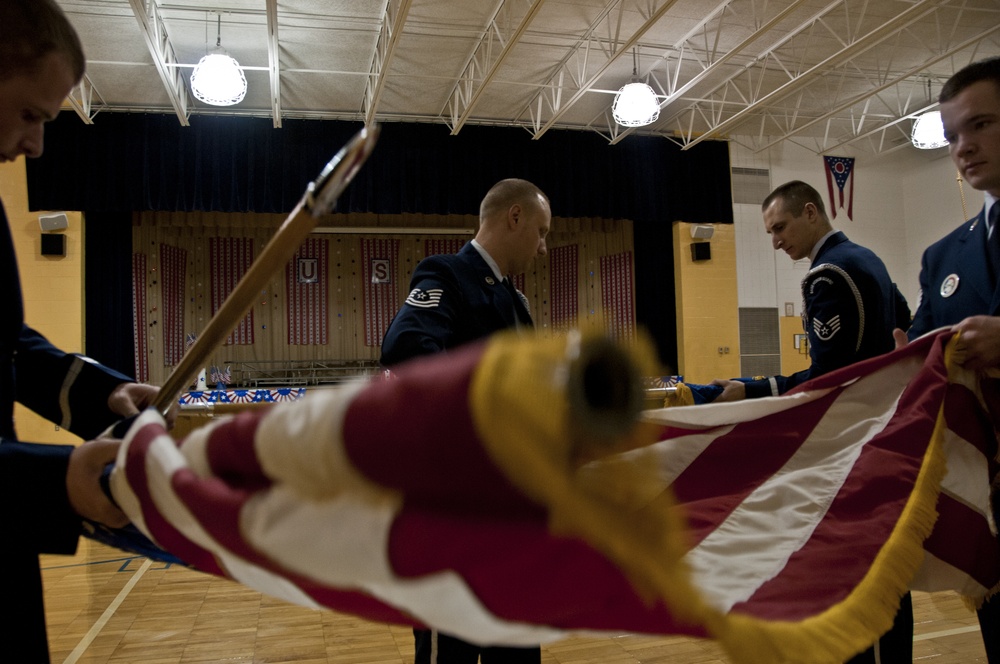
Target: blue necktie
point(515, 300)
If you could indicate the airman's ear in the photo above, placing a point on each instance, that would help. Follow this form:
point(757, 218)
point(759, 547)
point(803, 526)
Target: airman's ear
point(513, 215)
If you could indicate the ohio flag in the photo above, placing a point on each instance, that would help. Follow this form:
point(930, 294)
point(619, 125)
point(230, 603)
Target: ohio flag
point(839, 170)
point(477, 494)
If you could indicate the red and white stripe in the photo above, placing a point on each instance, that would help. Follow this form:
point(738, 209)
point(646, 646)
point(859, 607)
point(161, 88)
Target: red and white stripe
point(230, 258)
point(807, 515)
point(563, 266)
point(173, 270)
point(434, 246)
point(139, 320)
point(617, 296)
point(307, 302)
point(381, 299)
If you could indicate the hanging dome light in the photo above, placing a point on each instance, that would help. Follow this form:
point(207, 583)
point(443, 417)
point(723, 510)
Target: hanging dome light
point(218, 79)
point(635, 105)
point(928, 132)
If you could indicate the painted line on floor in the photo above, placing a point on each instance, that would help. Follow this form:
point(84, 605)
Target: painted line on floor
point(96, 628)
point(947, 632)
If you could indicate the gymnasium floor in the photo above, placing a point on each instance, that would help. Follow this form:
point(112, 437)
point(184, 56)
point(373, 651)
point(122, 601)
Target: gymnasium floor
point(106, 607)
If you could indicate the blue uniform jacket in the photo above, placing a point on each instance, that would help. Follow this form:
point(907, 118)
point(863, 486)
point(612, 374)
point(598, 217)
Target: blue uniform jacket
point(954, 279)
point(850, 307)
point(66, 389)
point(454, 299)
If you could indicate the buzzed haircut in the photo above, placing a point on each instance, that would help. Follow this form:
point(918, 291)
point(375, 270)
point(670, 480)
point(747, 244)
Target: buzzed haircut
point(793, 196)
point(984, 70)
point(508, 192)
point(29, 31)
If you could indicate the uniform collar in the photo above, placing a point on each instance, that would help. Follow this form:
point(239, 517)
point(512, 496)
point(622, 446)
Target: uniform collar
point(819, 245)
point(489, 259)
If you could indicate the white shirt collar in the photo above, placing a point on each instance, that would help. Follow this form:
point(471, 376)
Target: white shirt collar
point(819, 245)
point(990, 201)
point(489, 259)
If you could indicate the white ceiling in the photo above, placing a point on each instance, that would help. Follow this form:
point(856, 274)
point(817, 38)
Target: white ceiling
point(828, 74)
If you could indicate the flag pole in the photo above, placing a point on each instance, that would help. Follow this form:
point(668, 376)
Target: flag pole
point(319, 199)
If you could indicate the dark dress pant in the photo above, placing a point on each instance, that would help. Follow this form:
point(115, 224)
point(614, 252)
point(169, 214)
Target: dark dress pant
point(896, 645)
point(433, 647)
point(22, 629)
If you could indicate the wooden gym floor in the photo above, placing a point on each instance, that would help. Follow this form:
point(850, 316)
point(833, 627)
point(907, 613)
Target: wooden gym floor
point(107, 607)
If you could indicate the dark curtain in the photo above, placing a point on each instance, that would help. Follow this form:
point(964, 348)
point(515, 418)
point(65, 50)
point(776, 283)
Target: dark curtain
point(126, 162)
point(108, 289)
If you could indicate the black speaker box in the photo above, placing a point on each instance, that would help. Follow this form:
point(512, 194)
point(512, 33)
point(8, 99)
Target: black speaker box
point(701, 251)
point(53, 244)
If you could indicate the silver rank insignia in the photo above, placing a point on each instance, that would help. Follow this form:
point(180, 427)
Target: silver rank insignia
point(949, 285)
point(424, 299)
point(825, 331)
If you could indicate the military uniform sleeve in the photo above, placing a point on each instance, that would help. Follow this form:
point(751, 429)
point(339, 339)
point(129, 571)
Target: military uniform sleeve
point(922, 319)
point(835, 319)
point(33, 496)
point(833, 322)
point(69, 390)
point(426, 322)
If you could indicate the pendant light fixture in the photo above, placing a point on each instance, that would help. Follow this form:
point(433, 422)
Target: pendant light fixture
point(928, 132)
point(635, 104)
point(217, 79)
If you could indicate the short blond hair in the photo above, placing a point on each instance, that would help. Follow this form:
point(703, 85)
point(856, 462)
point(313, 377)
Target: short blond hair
point(509, 192)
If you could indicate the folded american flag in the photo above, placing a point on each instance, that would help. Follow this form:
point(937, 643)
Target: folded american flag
point(454, 496)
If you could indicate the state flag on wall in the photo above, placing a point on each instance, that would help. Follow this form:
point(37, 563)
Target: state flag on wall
point(840, 170)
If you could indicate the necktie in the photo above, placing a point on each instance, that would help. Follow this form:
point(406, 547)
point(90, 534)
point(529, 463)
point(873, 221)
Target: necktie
point(515, 299)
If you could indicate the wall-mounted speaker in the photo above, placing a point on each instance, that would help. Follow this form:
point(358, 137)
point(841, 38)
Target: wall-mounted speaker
point(702, 232)
point(53, 222)
point(701, 251)
point(53, 244)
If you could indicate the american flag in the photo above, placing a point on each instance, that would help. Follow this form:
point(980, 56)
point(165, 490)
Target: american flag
point(787, 528)
point(221, 376)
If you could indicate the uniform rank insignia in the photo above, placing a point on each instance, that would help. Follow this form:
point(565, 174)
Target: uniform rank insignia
point(425, 299)
point(825, 331)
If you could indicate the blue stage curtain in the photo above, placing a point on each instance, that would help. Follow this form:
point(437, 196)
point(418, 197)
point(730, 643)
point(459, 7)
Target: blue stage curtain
point(129, 162)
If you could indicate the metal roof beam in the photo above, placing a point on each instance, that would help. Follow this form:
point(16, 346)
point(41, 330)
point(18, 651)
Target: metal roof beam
point(81, 98)
point(273, 62)
point(571, 76)
point(800, 73)
point(710, 32)
point(889, 81)
point(147, 13)
point(483, 64)
point(393, 21)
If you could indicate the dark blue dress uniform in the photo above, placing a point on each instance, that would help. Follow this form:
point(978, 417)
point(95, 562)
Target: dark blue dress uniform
point(454, 300)
point(72, 392)
point(957, 281)
point(850, 307)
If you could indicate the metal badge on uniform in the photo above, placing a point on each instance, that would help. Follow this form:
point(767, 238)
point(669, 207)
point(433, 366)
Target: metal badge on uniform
point(490, 281)
point(949, 285)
